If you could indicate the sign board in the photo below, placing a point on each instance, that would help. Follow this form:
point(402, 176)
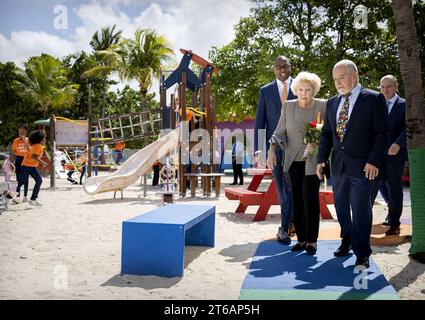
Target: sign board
point(71, 133)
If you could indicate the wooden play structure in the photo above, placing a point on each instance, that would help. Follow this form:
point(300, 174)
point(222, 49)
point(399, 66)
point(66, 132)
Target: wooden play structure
point(200, 114)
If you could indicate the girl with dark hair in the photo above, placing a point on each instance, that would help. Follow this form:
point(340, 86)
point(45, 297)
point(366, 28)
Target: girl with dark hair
point(30, 163)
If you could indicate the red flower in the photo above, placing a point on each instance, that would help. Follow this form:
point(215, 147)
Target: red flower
point(312, 124)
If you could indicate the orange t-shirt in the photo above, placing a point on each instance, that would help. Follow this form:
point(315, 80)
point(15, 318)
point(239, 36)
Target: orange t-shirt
point(20, 147)
point(189, 114)
point(119, 146)
point(37, 150)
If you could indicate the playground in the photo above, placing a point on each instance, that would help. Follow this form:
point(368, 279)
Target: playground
point(73, 249)
point(87, 243)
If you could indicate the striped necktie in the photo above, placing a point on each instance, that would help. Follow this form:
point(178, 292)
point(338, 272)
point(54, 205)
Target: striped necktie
point(341, 125)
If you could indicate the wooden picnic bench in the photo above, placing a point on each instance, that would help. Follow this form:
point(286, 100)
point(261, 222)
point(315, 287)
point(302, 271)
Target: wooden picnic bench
point(265, 199)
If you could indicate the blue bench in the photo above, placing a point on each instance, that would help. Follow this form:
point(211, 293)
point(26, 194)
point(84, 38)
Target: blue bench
point(153, 243)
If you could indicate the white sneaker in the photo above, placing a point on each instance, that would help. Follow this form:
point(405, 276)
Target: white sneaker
point(35, 203)
point(24, 199)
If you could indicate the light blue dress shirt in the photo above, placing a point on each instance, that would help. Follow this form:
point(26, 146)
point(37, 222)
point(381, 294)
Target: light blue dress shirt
point(351, 100)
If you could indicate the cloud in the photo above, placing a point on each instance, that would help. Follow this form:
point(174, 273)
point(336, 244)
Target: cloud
point(24, 44)
point(196, 25)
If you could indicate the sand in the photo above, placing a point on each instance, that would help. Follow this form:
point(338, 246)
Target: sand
point(70, 248)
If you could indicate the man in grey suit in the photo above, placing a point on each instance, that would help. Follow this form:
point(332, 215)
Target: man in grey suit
point(272, 96)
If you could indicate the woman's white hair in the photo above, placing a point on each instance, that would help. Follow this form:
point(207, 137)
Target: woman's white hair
point(303, 77)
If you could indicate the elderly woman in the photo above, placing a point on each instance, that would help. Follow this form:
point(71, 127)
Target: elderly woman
point(299, 163)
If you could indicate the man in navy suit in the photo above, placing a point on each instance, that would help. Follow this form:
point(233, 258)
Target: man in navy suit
point(356, 130)
point(396, 154)
point(272, 96)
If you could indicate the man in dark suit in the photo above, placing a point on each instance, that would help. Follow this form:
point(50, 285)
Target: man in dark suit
point(356, 131)
point(396, 154)
point(269, 109)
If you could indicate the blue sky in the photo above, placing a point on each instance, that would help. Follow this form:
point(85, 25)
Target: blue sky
point(27, 26)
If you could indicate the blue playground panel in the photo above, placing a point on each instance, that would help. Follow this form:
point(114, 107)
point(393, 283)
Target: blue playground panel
point(153, 243)
point(278, 273)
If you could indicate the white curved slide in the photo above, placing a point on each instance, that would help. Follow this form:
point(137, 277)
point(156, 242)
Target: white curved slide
point(133, 167)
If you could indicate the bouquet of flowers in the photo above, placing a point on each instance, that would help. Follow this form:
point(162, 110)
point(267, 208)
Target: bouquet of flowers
point(312, 133)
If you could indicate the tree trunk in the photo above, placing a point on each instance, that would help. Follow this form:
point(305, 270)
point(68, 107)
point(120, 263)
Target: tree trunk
point(143, 96)
point(410, 68)
point(103, 110)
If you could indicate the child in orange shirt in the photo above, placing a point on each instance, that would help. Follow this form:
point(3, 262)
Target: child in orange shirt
point(20, 147)
point(119, 146)
point(30, 163)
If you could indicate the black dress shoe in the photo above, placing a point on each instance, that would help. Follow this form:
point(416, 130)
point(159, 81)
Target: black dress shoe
point(310, 249)
point(362, 261)
point(298, 247)
point(241, 183)
point(343, 250)
point(393, 231)
point(233, 184)
point(387, 221)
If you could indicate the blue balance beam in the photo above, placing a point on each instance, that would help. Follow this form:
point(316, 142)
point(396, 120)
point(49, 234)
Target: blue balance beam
point(153, 243)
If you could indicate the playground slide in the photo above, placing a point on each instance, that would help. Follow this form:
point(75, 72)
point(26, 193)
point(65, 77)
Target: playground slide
point(133, 167)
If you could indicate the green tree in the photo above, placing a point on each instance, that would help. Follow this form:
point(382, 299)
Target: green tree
point(44, 83)
point(314, 35)
point(13, 109)
point(77, 65)
point(101, 43)
point(143, 57)
point(410, 66)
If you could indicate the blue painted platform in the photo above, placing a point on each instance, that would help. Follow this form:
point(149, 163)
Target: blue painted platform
point(153, 243)
point(278, 273)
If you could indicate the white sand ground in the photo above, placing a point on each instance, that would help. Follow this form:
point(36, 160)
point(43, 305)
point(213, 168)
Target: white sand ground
point(70, 248)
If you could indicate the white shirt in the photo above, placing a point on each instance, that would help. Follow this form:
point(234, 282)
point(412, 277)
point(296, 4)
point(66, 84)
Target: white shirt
point(280, 86)
point(351, 100)
point(238, 149)
point(391, 102)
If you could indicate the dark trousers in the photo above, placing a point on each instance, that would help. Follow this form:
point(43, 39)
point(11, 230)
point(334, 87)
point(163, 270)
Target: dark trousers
point(354, 192)
point(237, 171)
point(391, 178)
point(155, 179)
point(119, 156)
point(305, 193)
point(83, 172)
point(284, 192)
point(18, 168)
point(23, 178)
point(383, 189)
point(70, 173)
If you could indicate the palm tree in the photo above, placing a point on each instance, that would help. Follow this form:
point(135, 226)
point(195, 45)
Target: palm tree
point(410, 67)
point(143, 58)
point(100, 43)
point(44, 82)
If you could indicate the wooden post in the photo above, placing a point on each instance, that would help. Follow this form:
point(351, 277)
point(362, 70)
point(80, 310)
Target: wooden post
point(90, 144)
point(182, 102)
point(162, 101)
point(172, 112)
point(52, 152)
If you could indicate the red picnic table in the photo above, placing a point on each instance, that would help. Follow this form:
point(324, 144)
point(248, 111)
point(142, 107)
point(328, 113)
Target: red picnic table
point(265, 199)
